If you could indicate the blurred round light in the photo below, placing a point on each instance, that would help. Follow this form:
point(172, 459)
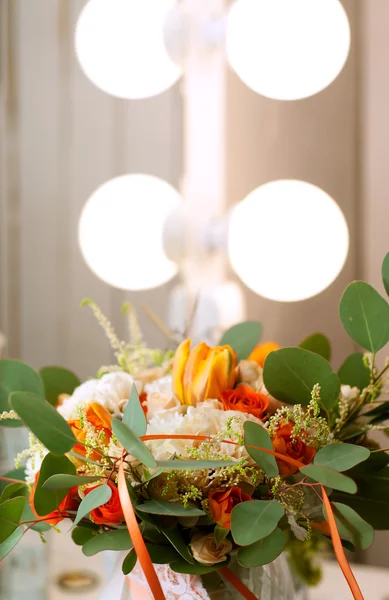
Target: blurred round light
point(287, 49)
point(120, 46)
point(121, 231)
point(288, 240)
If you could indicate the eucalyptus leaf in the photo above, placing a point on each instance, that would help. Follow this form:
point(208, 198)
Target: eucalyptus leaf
point(365, 316)
point(10, 513)
point(318, 343)
point(97, 497)
point(181, 566)
point(220, 534)
point(256, 435)
point(353, 372)
point(242, 338)
point(16, 376)
point(81, 535)
point(13, 474)
point(187, 465)
point(162, 555)
point(341, 457)
point(133, 444)
point(129, 562)
point(118, 539)
point(254, 520)
point(330, 478)
point(134, 416)
point(43, 421)
point(45, 501)
point(262, 552)
point(28, 515)
point(14, 490)
point(289, 375)
point(385, 273)
point(379, 413)
point(162, 507)
point(11, 541)
point(351, 526)
point(58, 381)
point(177, 541)
point(62, 481)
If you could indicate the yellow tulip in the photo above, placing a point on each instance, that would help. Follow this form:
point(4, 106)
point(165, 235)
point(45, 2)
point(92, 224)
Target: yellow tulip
point(203, 372)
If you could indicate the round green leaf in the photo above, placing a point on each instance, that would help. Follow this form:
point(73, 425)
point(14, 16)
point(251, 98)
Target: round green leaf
point(14, 490)
point(341, 457)
point(353, 372)
point(45, 501)
point(351, 526)
point(62, 481)
point(97, 497)
point(262, 552)
point(289, 375)
point(178, 542)
point(319, 344)
point(162, 507)
point(44, 422)
point(242, 338)
point(58, 381)
point(181, 566)
point(162, 555)
point(11, 541)
point(10, 514)
point(385, 273)
point(365, 316)
point(118, 539)
point(133, 416)
point(330, 478)
point(129, 562)
point(133, 444)
point(16, 376)
point(254, 520)
point(256, 435)
point(80, 535)
point(13, 474)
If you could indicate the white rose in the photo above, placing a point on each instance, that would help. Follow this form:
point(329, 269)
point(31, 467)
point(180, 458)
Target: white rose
point(206, 551)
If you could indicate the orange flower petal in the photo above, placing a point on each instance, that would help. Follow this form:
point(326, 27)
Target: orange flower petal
point(198, 355)
point(180, 359)
point(98, 416)
point(260, 353)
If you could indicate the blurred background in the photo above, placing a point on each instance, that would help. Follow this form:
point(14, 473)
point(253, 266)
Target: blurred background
point(62, 137)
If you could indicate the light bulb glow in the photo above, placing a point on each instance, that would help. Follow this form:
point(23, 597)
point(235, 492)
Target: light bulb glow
point(287, 49)
point(288, 240)
point(120, 46)
point(121, 231)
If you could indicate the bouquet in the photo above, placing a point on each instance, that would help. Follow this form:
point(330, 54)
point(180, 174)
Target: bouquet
point(201, 458)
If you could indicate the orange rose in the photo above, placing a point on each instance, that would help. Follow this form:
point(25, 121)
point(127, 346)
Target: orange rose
point(143, 402)
point(70, 502)
point(244, 399)
point(221, 503)
point(203, 372)
point(260, 353)
point(295, 448)
point(97, 416)
point(111, 512)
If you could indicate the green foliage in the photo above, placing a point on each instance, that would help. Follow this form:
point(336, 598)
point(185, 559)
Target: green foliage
point(16, 376)
point(10, 514)
point(254, 520)
point(131, 442)
point(44, 421)
point(61, 481)
point(319, 344)
point(45, 501)
point(290, 373)
point(256, 435)
point(161, 507)
point(376, 462)
point(341, 457)
point(28, 515)
point(351, 526)
point(118, 539)
point(195, 464)
point(178, 542)
point(58, 381)
point(162, 555)
point(371, 501)
point(14, 490)
point(81, 535)
point(354, 372)
point(262, 552)
point(220, 534)
point(378, 414)
point(129, 562)
point(97, 497)
point(13, 474)
point(385, 273)
point(181, 566)
point(330, 478)
point(242, 338)
point(134, 416)
point(11, 541)
point(365, 316)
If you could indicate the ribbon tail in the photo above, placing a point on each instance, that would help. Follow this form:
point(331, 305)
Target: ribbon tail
point(338, 549)
point(237, 584)
point(137, 538)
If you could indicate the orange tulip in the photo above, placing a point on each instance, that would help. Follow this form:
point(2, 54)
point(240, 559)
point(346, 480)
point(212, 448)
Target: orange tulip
point(260, 353)
point(100, 418)
point(203, 372)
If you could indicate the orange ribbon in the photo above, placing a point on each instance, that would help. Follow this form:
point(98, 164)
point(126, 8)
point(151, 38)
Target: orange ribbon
point(237, 583)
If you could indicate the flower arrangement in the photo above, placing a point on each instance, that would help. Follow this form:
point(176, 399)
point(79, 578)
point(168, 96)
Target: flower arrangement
point(189, 457)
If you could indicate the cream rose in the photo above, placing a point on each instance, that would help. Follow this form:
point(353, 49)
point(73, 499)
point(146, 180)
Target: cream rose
point(206, 551)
